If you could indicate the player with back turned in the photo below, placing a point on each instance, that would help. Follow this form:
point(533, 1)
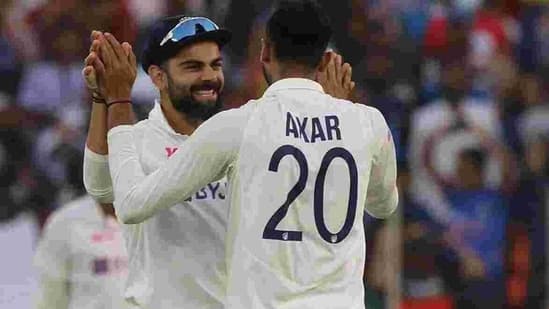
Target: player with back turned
point(302, 167)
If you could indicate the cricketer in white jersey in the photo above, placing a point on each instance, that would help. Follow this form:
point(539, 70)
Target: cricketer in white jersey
point(82, 259)
point(302, 168)
point(176, 257)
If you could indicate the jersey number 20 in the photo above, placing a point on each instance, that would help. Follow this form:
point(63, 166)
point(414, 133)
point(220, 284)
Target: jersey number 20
point(271, 231)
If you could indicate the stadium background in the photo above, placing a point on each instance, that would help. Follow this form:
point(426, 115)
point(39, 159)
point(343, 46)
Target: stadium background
point(407, 57)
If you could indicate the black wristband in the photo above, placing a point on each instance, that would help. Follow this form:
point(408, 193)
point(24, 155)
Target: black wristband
point(109, 104)
point(97, 98)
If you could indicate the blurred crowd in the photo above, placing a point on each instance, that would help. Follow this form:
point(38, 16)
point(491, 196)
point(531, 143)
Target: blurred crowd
point(462, 84)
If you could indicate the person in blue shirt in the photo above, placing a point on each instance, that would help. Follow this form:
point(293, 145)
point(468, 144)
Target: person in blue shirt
point(477, 234)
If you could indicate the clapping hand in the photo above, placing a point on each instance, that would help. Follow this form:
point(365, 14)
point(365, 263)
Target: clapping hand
point(110, 67)
point(335, 76)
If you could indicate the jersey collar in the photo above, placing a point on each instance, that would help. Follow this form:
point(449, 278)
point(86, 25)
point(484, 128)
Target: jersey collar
point(294, 83)
point(158, 117)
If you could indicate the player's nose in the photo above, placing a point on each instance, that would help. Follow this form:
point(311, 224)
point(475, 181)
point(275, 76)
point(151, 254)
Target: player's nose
point(208, 73)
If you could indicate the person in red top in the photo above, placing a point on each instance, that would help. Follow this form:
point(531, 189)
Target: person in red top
point(490, 34)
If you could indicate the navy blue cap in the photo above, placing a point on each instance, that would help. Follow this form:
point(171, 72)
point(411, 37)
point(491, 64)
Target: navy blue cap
point(170, 34)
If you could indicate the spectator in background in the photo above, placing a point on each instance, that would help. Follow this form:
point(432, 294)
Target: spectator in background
point(532, 123)
point(540, 33)
point(389, 80)
point(476, 229)
point(63, 26)
point(492, 32)
point(531, 200)
point(108, 15)
point(145, 12)
point(55, 81)
point(22, 188)
point(9, 60)
point(13, 159)
point(18, 29)
point(462, 173)
point(493, 35)
point(57, 156)
point(18, 226)
point(450, 114)
point(444, 44)
point(509, 94)
point(424, 272)
point(113, 16)
point(414, 18)
point(478, 237)
point(380, 92)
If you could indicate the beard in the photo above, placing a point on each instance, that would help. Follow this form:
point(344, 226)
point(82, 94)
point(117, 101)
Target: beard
point(267, 76)
point(186, 104)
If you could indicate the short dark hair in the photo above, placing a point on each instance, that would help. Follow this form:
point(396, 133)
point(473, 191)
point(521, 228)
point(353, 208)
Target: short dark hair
point(476, 156)
point(299, 31)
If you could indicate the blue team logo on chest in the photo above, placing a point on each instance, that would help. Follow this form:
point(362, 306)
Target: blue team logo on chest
point(213, 191)
point(103, 266)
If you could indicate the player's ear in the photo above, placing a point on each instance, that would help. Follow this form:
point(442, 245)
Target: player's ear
point(158, 76)
point(266, 51)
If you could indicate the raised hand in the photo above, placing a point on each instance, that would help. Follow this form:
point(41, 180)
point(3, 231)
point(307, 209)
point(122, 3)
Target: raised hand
point(89, 71)
point(335, 76)
point(115, 67)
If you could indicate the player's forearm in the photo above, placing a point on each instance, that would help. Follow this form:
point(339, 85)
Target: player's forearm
point(120, 114)
point(53, 293)
point(97, 178)
point(140, 196)
point(97, 131)
point(137, 200)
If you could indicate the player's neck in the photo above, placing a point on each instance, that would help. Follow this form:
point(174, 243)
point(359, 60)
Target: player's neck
point(292, 70)
point(179, 122)
point(107, 210)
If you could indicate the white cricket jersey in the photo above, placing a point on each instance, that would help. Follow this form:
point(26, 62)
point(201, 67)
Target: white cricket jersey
point(302, 167)
point(176, 255)
point(84, 248)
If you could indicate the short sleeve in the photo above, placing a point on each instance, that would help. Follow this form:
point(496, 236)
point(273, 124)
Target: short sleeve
point(382, 194)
